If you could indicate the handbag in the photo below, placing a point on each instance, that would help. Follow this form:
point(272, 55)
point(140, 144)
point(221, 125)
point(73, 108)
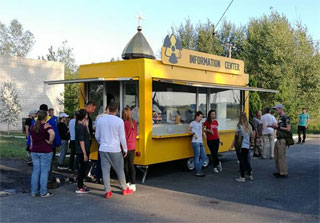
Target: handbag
point(289, 138)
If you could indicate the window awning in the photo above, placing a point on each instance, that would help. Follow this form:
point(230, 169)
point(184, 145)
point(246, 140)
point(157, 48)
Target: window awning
point(207, 85)
point(74, 81)
point(85, 80)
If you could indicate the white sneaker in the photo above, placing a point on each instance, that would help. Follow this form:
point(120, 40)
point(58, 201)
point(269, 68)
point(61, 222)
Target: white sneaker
point(215, 170)
point(62, 167)
point(133, 187)
point(128, 184)
point(219, 167)
point(241, 179)
point(250, 177)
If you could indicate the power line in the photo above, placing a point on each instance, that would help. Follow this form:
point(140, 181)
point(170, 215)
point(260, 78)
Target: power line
point(224, 13)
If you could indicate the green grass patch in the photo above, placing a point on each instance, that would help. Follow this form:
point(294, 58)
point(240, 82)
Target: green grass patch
point(12, 133)
point(12, 148)
point(313, 127)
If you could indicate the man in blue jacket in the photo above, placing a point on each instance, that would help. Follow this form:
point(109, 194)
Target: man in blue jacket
point(53, 121)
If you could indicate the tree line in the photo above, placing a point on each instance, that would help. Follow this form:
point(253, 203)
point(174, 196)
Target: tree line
point(277, 55)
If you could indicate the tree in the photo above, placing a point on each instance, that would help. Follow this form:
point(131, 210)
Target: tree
point(71, 91)
point(277, 56)
point(62, 54)
point(207, 42)
point(307, 71)
point(200, 38)
point(269, 58)
point(10, 107)
point(203, 39)
point(236, 36)
point(254, 99)
point(280, 56)
point(14, 41)
point(187, 35)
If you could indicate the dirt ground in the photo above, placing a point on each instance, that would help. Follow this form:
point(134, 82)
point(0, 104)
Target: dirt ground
point(15, 177)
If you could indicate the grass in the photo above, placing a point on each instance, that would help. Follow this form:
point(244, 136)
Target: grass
point(11, 133)
point(313, 127)
point(12, 148)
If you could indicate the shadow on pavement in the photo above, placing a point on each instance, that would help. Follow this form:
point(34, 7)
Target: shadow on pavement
point(299, 193)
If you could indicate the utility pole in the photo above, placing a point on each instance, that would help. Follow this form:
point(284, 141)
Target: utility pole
point(229, 45)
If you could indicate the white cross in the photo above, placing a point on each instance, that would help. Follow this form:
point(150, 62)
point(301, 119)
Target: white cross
point(139, 17)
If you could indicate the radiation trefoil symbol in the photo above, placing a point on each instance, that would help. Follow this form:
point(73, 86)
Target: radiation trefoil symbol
point(173, 48)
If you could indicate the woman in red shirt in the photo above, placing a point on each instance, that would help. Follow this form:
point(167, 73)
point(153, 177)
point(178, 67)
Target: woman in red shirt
point(130, 127)
point(213, 141)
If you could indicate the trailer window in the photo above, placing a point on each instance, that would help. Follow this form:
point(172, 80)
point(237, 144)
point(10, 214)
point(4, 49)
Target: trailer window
point(202, 101)
point(95, 94)
point(131, 99)
point(227, 104)
point(173, 108)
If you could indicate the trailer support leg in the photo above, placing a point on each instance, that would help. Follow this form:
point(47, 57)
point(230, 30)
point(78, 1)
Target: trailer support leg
point(144, 170)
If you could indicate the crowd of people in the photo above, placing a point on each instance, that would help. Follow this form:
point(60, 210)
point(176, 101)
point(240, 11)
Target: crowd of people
point(259, 134)
point(116, 140)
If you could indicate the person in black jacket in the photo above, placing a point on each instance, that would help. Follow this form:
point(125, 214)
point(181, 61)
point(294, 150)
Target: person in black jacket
point(90, 107)
point(82, 145)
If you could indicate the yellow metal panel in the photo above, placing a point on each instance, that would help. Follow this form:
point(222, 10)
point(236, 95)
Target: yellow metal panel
point(159, 70)
point(204, 61)
point(116, 69)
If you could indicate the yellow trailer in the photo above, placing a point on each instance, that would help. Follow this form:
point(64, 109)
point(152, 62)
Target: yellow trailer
point(165, 94)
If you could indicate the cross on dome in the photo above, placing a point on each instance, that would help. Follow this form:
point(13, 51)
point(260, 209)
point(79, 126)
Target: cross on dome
point(139, 17)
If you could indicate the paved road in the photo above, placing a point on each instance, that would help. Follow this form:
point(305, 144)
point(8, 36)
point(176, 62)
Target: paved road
point(171, 194)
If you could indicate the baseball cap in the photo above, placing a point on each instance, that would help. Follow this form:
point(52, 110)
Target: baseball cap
point(63, 115)
point(278, 106)
point(32, 112)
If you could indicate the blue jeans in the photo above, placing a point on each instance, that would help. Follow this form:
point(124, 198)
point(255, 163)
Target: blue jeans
point(64, 150)
point(41, 166)
point(199, 155)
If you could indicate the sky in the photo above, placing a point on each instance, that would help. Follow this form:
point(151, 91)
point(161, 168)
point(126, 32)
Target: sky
point(98, 30)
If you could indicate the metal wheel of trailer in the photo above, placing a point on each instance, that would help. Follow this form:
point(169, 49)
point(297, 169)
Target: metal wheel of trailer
point(190, 163)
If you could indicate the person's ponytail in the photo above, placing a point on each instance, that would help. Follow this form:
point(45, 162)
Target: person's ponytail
point(36, 126)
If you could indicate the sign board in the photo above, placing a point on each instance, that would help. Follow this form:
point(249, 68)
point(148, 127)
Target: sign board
point(173, 54)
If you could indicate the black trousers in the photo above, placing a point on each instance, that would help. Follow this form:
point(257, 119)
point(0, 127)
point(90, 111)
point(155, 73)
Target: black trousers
point(244, 162)
point(214, 148)
point(303, 130)
point(72, 147)
point(129, 169)
point(82, 169)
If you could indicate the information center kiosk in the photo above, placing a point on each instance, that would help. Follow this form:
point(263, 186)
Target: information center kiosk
point(164, 96)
